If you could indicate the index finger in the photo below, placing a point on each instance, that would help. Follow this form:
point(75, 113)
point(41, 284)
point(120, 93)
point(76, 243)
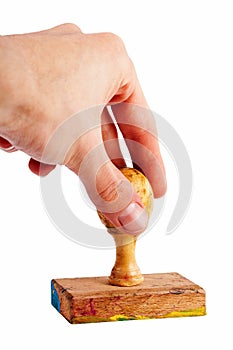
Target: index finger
point(138, 127)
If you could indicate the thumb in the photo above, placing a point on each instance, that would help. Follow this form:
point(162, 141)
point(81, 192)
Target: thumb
point(106, 186)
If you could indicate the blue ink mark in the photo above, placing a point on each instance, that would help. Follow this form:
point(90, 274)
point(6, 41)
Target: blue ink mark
point(54, 298)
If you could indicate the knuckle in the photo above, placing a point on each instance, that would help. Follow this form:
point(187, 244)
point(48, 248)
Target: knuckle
point(119, 55)
point(108, 192)
point(70, 27)
point(118, 43)
point(108, 183)
point(115, 42)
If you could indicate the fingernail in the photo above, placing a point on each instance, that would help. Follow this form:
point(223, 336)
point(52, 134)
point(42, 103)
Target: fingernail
point(134, 219)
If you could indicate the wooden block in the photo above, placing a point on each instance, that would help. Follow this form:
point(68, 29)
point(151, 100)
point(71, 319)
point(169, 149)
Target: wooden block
point(93, 299)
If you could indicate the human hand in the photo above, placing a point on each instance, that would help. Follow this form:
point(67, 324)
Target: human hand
point(48, 77)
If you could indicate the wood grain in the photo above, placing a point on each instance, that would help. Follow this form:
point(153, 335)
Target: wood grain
point(93, 299)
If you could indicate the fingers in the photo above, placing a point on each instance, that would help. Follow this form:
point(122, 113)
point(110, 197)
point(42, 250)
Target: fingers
point(110, 138)
point(40, 169)
point(138, 127)
point(36, 167)
point(6, 145)
point(122, 205)
point(106, 186)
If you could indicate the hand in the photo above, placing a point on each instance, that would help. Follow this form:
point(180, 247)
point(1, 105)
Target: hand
point(58, 82)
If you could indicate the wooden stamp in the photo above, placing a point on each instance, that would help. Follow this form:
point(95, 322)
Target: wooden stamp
point(93, 299)
point(127, 294)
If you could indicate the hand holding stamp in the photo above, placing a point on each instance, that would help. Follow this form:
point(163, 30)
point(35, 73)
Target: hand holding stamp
point(126, 271)
point(117, 298)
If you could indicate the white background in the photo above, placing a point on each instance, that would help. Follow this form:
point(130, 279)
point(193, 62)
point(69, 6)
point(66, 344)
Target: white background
point(183, 54)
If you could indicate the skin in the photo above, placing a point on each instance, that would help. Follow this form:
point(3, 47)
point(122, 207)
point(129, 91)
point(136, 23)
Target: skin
point(49, 76)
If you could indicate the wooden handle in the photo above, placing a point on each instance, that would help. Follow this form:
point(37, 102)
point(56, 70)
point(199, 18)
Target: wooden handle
point(126, 271)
